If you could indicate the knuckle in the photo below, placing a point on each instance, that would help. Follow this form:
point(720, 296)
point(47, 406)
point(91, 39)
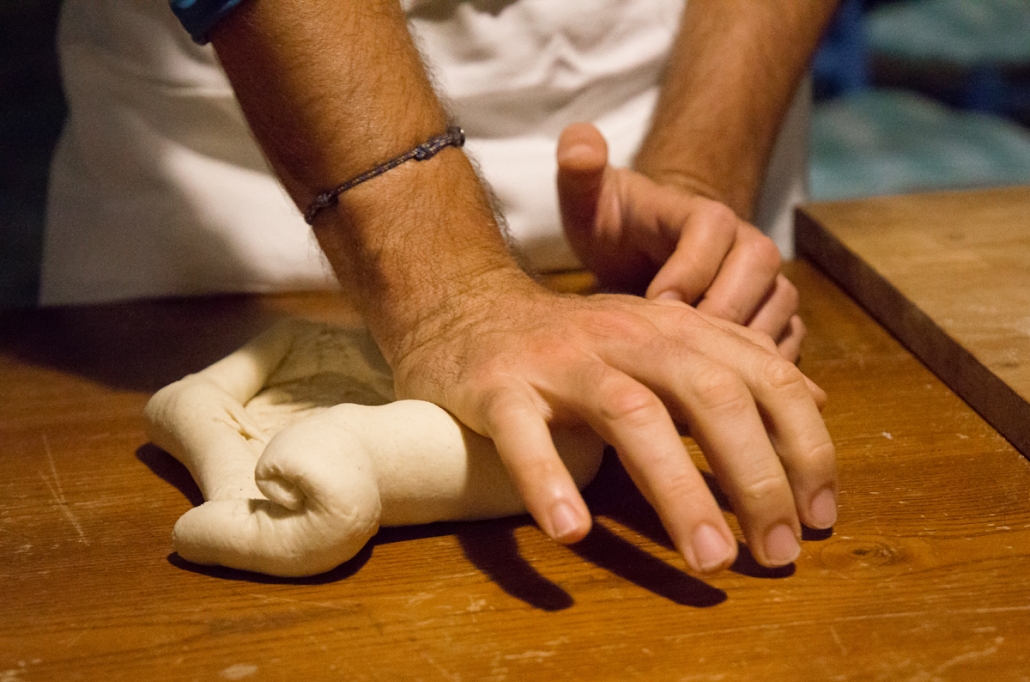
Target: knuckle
point(761, 489)
point(670, 488)
point(497, 405)
point(533, 470)
point(629, 404)
point(779, 374)
point(717, 387)
point(682, 486)
point(720, 214)
point(820, 458)
point(763, 250)
point(484, 389)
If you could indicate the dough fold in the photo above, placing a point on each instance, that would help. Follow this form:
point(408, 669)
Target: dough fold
point(301, 453)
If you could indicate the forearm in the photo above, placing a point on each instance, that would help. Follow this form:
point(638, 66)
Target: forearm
point(331, 89)
point(726, 89)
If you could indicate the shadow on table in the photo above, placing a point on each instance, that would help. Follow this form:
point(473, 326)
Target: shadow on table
point(613, 495)
point(140, 346)
point(491, 546)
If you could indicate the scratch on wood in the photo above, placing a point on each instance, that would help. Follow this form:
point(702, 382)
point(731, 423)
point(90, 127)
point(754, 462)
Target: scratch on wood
point(287, 600)
point(935, 674)
point(848, 619)
point(965, 658)
point(74, 639)
point(840, 645)
point(238, 671)
point(449, 676)
point(419, 598)
point(528, 655)
point(58, 493)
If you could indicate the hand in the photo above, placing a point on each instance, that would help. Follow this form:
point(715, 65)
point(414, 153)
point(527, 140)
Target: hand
point(634, 233)
point(512, 358)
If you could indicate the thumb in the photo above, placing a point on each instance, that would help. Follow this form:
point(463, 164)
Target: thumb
point(582, 160)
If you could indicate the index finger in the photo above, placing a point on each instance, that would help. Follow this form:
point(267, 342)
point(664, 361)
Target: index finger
point(704, 233)
point(524, 444)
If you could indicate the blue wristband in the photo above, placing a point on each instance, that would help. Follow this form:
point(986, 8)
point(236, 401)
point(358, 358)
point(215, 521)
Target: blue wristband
point(198, 17)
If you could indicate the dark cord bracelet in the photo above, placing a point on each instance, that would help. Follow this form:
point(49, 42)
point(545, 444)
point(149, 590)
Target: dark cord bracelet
point(454, 137)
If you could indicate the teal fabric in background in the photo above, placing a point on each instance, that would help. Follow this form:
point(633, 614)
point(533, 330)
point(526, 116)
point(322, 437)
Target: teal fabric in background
point(961, 32)
point(968, 53)
point(893, 141)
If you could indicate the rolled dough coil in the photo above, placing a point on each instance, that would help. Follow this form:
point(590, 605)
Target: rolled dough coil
point(301, 453)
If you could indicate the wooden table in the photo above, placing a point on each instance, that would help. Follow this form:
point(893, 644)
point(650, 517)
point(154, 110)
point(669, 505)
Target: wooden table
point(948, 273)
point(925, 577)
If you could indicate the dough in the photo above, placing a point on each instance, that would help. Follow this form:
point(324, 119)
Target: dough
point(301, 453)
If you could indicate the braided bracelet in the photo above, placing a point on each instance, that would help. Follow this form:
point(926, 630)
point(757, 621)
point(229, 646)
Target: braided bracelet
point(454, 137)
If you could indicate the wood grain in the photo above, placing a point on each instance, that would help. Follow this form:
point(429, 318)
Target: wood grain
point(949, 274)
point(924, 577)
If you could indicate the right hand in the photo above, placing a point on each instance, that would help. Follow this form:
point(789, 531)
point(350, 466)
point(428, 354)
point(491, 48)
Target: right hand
point(512, 358)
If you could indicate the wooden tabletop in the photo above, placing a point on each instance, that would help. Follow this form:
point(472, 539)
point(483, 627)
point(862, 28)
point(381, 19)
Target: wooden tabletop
point(949, 274)
point(925, 577)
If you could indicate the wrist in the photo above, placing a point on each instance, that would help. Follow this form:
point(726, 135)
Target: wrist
point(412, 247)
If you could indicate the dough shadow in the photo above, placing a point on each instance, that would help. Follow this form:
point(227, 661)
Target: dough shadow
point(171, 471)
point(341, 572)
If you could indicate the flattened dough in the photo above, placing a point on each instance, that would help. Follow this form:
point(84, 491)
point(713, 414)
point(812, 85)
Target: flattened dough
point(301, 453)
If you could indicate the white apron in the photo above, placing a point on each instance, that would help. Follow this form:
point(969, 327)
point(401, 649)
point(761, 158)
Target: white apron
point(158, 189)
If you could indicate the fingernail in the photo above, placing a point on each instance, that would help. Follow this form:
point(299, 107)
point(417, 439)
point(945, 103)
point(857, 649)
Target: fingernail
point(823, 508)
point(669, 295)
point(564, 521)
point(781, 546)
point(710, 548)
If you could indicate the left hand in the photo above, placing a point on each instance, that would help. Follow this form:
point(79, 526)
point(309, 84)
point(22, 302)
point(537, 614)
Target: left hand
point(634, 233)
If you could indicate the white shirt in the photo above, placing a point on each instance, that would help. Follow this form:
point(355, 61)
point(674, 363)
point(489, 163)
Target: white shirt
point(158, 189)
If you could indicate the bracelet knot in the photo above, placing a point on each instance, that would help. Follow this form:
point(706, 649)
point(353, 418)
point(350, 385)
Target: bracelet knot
point(454, 137)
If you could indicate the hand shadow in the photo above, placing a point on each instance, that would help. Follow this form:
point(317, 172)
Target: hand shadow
point(492, 548)
point(613, 495)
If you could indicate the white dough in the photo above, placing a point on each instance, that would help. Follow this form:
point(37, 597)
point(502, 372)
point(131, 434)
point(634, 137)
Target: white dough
point(301, 454)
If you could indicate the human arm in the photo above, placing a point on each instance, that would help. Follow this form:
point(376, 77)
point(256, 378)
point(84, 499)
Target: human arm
point(730, 78)
point(333, 88)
